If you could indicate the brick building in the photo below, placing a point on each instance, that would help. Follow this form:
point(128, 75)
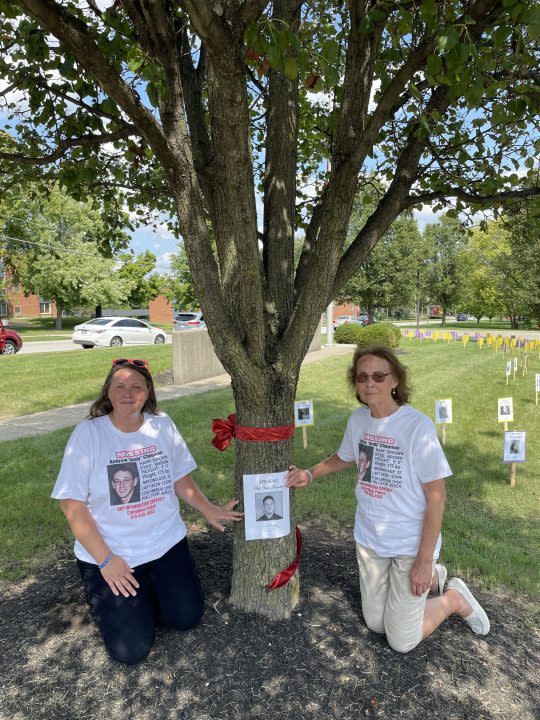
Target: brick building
point(14, 304)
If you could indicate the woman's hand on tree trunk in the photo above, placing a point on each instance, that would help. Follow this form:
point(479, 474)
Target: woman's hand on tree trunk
point(296, 477)
point(224, 513)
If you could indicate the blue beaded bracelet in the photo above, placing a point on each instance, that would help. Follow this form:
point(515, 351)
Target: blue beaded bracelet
point(109, 556)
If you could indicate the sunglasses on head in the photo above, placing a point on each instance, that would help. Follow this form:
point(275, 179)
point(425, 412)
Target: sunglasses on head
point(132, 361)
point(378, 377)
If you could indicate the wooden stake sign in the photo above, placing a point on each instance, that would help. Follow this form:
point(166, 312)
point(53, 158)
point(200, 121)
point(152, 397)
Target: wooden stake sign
point(505, 411)
point(508, 370)
point(303, 416)
point(443, 415)
point(537, 378)
point(514, 451)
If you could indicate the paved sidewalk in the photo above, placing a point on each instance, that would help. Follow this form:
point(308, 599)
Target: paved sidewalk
point(42, 422)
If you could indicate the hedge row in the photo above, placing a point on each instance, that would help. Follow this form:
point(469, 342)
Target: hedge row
point(377, 334)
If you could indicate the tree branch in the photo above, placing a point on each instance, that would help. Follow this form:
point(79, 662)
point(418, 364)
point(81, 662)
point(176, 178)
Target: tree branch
point(64, 145)
point(469, 197)
point(249, 12)
point(280, 187)
point(208, 25)
point(393, 201)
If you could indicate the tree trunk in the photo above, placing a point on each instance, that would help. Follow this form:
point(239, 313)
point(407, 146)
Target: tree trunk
point(256, 562)
point(98, 311)
point(59, 311)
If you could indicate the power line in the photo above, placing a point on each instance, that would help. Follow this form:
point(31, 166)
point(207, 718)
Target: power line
point(45, 246)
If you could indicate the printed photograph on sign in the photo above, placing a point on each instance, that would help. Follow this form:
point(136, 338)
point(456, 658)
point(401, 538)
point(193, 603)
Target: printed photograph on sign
point(269, 506)
point(537, 382)
point(443, 411)
point(508, 367)
point(514, 447)
point(124, 483)
point(303, 412)
point(365, 462)
point(266, 506)
point(506, 409)
point(515, 363)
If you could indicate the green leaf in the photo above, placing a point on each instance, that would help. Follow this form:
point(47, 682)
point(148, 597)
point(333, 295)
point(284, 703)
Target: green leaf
point(135, 59)
point(275, 58)
point(434, 64)
point(283, 40)
point(429, 9)
point(291, 68)
point(153, 94)
point(533, 23)
point(330, 50)
point(448, 40)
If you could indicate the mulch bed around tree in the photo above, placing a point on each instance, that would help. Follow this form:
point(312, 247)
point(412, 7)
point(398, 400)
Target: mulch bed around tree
point(322, 663)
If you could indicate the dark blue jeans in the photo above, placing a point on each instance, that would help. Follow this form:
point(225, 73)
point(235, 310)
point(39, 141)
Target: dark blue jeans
point(169, 593)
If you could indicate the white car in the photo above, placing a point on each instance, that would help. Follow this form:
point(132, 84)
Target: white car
point(116, 331)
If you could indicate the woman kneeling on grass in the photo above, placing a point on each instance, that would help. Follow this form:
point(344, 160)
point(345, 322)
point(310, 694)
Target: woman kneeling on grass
point(122, 471)
point(400, 495)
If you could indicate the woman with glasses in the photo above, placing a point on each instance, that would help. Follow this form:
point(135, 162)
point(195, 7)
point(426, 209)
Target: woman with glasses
point(124, 469)
point(400, 505)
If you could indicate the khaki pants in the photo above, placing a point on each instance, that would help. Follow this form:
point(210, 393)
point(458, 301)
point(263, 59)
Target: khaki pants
point(388, 604)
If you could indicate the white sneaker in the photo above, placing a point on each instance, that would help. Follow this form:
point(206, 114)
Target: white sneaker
point(478, 621)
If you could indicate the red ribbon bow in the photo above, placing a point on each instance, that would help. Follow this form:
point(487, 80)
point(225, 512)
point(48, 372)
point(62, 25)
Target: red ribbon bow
point(284, 576)
point(225, 430)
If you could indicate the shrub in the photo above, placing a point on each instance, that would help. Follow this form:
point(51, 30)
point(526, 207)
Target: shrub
point(380, 334)
point(348, 334)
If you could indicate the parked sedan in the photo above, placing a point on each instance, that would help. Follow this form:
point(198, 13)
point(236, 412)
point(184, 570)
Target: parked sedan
point(189, 321)
point(116, 331)
point(345, 319)
point(10, 340)
point(461, 316)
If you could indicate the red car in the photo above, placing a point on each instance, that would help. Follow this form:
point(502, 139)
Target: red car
point(10, 340)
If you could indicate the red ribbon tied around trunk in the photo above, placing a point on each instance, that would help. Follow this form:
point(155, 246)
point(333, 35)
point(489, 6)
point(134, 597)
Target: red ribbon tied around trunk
point(284, 576)
point(225, 430)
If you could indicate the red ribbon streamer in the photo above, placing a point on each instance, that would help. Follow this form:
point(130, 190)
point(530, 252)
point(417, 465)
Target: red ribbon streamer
point(225, 430)
point(284, 576)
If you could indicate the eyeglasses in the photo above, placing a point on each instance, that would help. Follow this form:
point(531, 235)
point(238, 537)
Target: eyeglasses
point(132, 361)
point(378, 377)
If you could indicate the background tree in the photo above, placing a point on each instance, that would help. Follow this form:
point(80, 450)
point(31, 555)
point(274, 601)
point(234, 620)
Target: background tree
point(137, 271)
point(480, 287)
point(177, 286)
point(446, 240)
point(522, 222)
point(201, 108)
point(387, 276)
point(52, 248)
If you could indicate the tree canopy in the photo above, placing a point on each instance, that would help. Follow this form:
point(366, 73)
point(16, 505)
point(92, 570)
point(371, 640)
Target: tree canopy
point(215, 111)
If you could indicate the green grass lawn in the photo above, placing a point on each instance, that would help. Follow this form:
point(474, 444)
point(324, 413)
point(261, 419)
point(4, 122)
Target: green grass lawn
point(41, 381)
point(491, 531)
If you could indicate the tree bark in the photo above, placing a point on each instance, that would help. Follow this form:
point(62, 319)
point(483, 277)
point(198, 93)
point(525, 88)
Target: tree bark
point(59, 311)
point(256, 562)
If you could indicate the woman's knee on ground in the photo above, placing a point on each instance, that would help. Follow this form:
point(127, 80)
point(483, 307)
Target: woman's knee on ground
point(374, 618)
point(399, 643)
point(129, 653)
point(187, 619)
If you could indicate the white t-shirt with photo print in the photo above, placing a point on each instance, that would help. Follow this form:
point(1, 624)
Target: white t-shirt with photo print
point(405, 453)
point(140, 530)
